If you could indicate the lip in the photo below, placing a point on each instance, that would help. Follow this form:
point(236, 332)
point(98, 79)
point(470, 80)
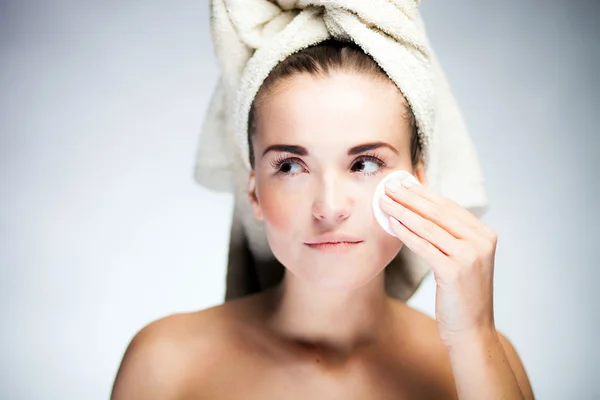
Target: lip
point(334, 247)
point(334, 238)
point(334, 242)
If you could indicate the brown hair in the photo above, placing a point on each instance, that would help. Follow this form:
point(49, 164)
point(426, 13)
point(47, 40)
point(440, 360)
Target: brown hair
point(321, 60)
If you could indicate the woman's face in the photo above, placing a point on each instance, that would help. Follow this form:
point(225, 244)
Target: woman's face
point(321, 146)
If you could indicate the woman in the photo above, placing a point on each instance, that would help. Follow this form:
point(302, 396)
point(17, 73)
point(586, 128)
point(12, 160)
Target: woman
point(326, 126)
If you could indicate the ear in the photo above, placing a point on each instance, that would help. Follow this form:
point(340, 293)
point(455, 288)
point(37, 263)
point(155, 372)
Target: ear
point(256, 209)
point(419, 173)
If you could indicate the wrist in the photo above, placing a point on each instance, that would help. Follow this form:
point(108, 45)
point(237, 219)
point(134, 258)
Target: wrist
point(481, 368)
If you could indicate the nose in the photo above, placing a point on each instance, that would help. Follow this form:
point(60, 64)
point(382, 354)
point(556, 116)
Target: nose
point(332, 203)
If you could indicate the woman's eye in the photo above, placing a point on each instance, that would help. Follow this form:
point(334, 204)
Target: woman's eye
point(366, 166)
point(290, 167)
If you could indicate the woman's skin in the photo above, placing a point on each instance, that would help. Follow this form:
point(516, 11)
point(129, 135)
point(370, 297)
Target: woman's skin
point(328, 330)
point(329, 296)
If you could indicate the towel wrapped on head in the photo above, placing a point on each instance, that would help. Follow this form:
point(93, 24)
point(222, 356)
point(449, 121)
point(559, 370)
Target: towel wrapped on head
point(250, 38)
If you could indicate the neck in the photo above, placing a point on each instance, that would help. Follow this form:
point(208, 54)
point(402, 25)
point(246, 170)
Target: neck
point(337, 321)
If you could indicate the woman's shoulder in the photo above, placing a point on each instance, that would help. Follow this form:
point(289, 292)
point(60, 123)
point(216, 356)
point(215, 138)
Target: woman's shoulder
point(414, 321)
point(168, 354)
point(418, 335)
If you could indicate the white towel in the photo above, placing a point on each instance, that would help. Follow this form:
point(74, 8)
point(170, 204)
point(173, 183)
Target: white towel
point(250, 37)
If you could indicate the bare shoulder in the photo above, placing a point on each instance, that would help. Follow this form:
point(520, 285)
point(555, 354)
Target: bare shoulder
point(430, 345)
point(517, 367)
point(422, 326)
point(422, 354)
point(169, 355)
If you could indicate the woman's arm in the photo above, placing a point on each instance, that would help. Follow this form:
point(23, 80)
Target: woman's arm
point(461, 250)
point(486, 366)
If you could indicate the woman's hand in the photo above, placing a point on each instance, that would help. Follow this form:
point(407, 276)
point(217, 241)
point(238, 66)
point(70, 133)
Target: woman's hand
point(460, 250)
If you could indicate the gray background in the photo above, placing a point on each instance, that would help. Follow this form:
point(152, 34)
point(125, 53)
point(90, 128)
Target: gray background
point(103, 229)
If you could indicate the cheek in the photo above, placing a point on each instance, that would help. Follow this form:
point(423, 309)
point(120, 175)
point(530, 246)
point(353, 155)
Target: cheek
point(280, 208)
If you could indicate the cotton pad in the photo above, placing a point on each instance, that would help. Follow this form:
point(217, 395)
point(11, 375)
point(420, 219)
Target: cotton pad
point(382, 217)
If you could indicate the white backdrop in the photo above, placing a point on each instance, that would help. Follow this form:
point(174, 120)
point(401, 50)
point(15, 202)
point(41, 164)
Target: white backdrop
point(103, 229)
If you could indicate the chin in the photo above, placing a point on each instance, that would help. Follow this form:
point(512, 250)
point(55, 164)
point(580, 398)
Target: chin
point(337, 274)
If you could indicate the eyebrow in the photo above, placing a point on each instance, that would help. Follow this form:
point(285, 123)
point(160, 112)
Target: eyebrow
point(370, 146)
point(301, 151)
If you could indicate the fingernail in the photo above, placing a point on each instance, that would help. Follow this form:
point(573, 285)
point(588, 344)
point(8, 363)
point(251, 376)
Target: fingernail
point(393, 187)
point(386, 200)
point(407, 184)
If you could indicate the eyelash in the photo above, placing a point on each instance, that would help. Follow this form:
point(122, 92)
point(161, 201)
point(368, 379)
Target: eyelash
point(373, 156)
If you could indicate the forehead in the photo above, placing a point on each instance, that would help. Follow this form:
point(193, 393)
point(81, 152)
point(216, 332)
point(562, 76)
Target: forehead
point(342, 107)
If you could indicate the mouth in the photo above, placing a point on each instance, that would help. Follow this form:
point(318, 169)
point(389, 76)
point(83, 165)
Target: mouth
point(334, 246)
